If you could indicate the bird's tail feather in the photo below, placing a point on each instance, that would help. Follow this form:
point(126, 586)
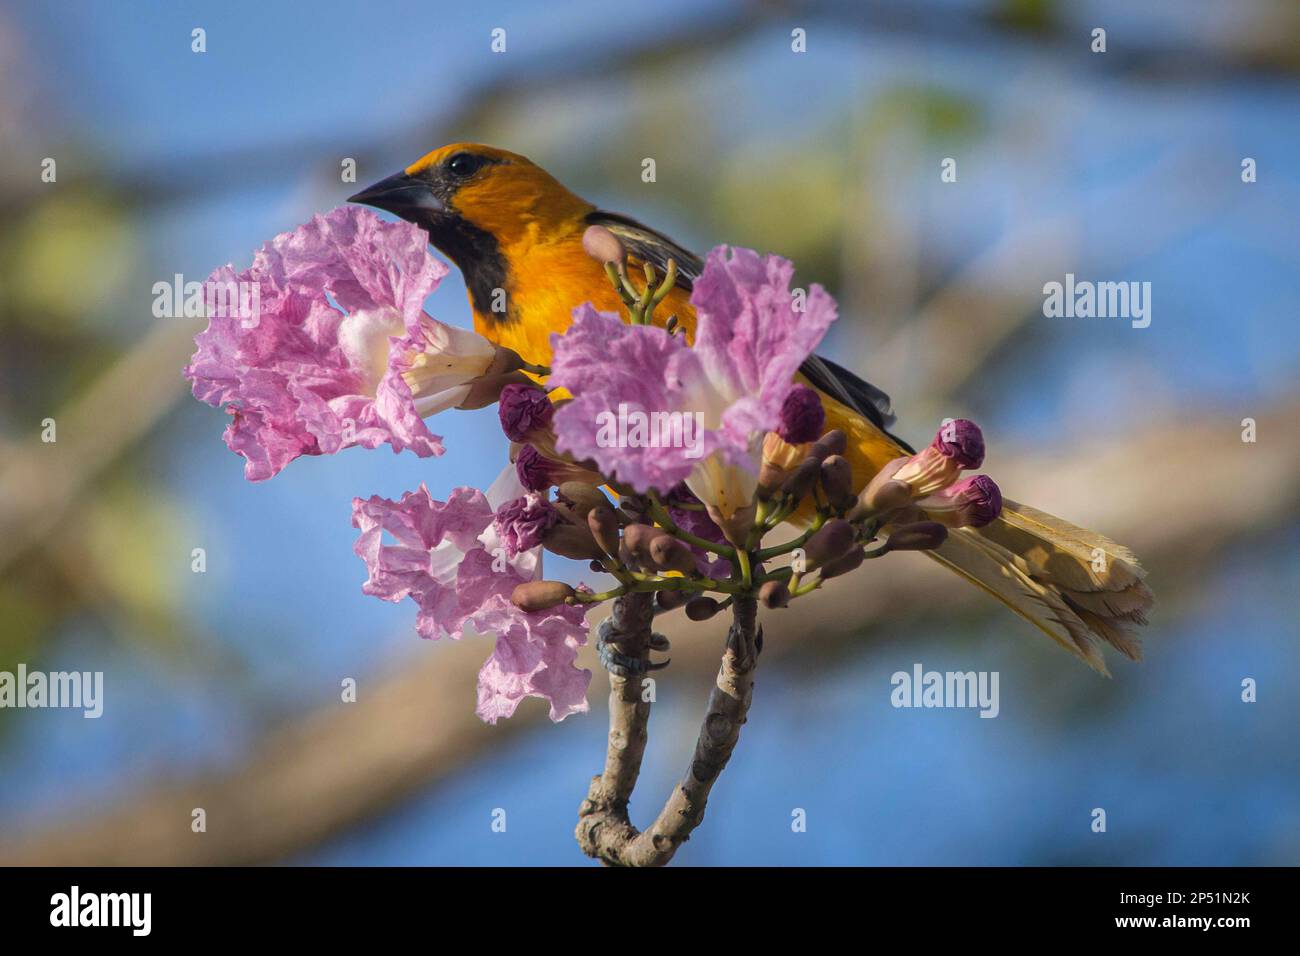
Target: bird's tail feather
point(1077, 586)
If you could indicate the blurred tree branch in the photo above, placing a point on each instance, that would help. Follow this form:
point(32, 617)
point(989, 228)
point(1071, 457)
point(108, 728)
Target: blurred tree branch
point(970, 318)
point(40, 481)
point(1262, 44)
point(344, 763)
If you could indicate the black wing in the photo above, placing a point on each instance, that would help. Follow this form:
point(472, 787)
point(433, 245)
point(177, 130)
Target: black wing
point(647, 245)
point(857, 393)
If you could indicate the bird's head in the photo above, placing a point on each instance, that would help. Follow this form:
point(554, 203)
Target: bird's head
point(464, 192)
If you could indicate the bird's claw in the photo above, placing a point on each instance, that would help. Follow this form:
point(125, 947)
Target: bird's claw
point(623, 665)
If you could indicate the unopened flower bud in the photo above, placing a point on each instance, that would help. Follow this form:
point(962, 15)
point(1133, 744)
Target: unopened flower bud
point(637, 538)
point(961, 440)
point(570, 540)
point(833, 539)
point(971, 502)
point(540, 595)
point(702, 608)
point(774, 594)
point(834, 442)
point(801, 481)
point(671, 554)
point(958, 445)
point(603, 246)
point(603, 524)
point(533, 469)
point(503, 370)
point(524, 410)
point(537, 472)
point(522, 524)
point(802, 416)
point(843, 564)
point(883, 493)
point(668, 600)
point(577, 498)
point(837, 480)
point(920, 536)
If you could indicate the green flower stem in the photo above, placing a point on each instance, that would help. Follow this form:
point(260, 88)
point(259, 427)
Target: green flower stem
point(799, 542)
point(665, 287)
point(781, 512)
point(640, 581)
point(622, 285)
point(665, 521)
point(595, 597)
point(746, 574)
point(808, 588)
point(643, 309)
point(688, 584)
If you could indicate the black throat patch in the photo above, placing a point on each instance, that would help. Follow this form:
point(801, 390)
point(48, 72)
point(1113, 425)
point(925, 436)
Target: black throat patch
point(477, 255)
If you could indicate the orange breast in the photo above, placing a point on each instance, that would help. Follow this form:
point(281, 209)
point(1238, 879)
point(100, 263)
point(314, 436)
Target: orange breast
point(548, 282)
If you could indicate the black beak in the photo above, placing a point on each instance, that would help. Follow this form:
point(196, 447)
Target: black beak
point(400, 194)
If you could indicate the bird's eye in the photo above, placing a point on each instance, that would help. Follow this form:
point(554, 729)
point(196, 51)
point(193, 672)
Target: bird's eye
point(464, 164)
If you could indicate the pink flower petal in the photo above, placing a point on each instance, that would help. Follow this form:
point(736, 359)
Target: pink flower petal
point(293, 374)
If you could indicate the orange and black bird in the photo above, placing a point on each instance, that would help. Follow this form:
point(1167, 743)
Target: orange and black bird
point(507, 224)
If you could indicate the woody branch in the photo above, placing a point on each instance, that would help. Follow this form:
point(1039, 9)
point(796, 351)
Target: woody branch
point(605, 830)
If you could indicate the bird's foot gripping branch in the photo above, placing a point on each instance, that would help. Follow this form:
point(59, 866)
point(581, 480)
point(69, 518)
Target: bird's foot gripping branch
point(667, 466)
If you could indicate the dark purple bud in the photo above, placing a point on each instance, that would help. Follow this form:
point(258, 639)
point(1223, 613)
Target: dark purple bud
point(524, 409)
point(983, 499)
point(971, 502)
point(962, 441)
point(802, 416)
point(523, 523)
point(534, 469)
